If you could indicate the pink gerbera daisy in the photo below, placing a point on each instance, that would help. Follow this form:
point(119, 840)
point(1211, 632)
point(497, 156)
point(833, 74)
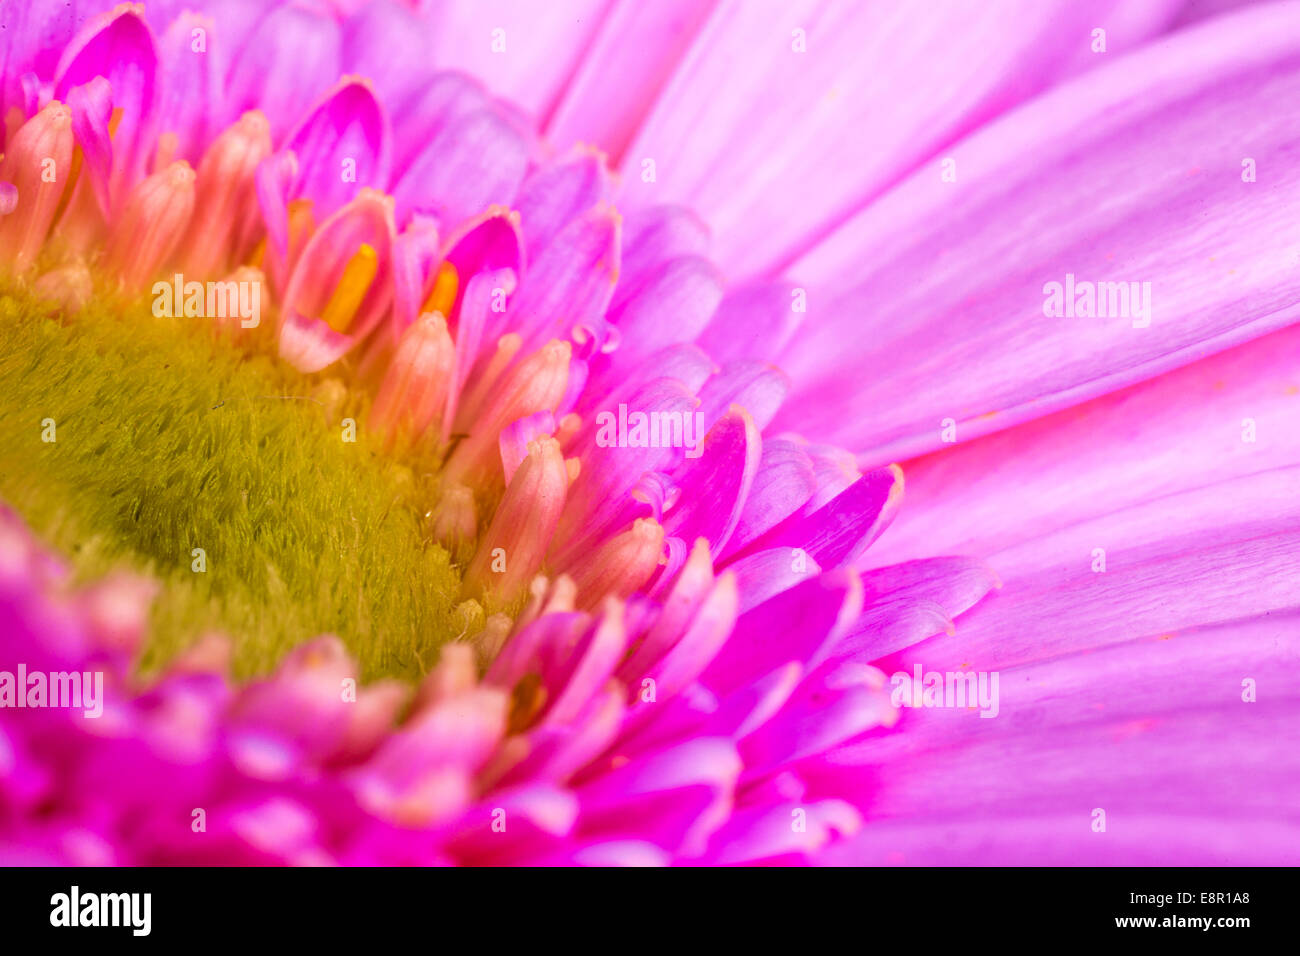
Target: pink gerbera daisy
point(403, 326)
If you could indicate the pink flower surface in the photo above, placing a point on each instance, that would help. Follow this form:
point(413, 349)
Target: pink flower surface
point(1035, 260)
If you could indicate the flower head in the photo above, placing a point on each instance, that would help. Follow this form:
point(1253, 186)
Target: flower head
point(643, 622)
point(497, 541)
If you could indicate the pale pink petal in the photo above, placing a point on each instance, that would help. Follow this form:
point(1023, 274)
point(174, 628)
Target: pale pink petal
point(1212, 555)
point(1155, 732)
point(1137, 176)
point(623, 72)
point(1224, 416)
point(523, 51)
point(776, 155)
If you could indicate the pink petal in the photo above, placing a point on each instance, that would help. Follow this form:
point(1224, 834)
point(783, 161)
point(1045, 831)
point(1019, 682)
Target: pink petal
point(1181, 430)
point(765, 574)
point(342, 145)
point(514, 439)
point(909, 602)
point(777, 156)
point(558, 193)
point(385, 41)
point(932, 256)
point(306, 340)
point(801, 624)
point(570, 283)
point(782, 483)
point(1211, 555)
point(757, 387)
point(476, 161)
point(542, 44)
point(624, 70)
point(120, 47)
point(288, 60)
point(1123, 729)
point(754, 321)
point(839, 531)
point(652, 238)
point(714, 485)
point(192, 89)
point(441, 99)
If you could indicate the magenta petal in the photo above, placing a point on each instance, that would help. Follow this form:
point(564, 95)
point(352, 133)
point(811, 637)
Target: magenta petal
point(475, 162)
point(192, 93)
point(715, 484)
point(813, 721)
point(681, 794)
point(539, 812)
point(765, 574)
point(709, 629)
point(557, 751)
point(801, 624)
point(120, 47)
point(834, 472)
point(753, 705)
point(683, 599)
point(289, 60)
point(526, 646)
point(32, 35)
point(620, 853)
point(92, 108)
point(553, 196)
point(588, 666)
point(783, 482)
point(840, 530)
point(492, 241)
point(766, 834)
point(342, 146)
point(569, 285)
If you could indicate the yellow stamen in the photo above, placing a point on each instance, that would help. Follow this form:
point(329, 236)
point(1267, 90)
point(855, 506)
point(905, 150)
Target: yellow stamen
point(301, 224)
point(443, 294)
point(258, 254)
point(73, 175)
point(352, 288)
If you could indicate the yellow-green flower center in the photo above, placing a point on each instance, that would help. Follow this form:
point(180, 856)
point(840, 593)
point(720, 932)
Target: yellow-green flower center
point(250, 491)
